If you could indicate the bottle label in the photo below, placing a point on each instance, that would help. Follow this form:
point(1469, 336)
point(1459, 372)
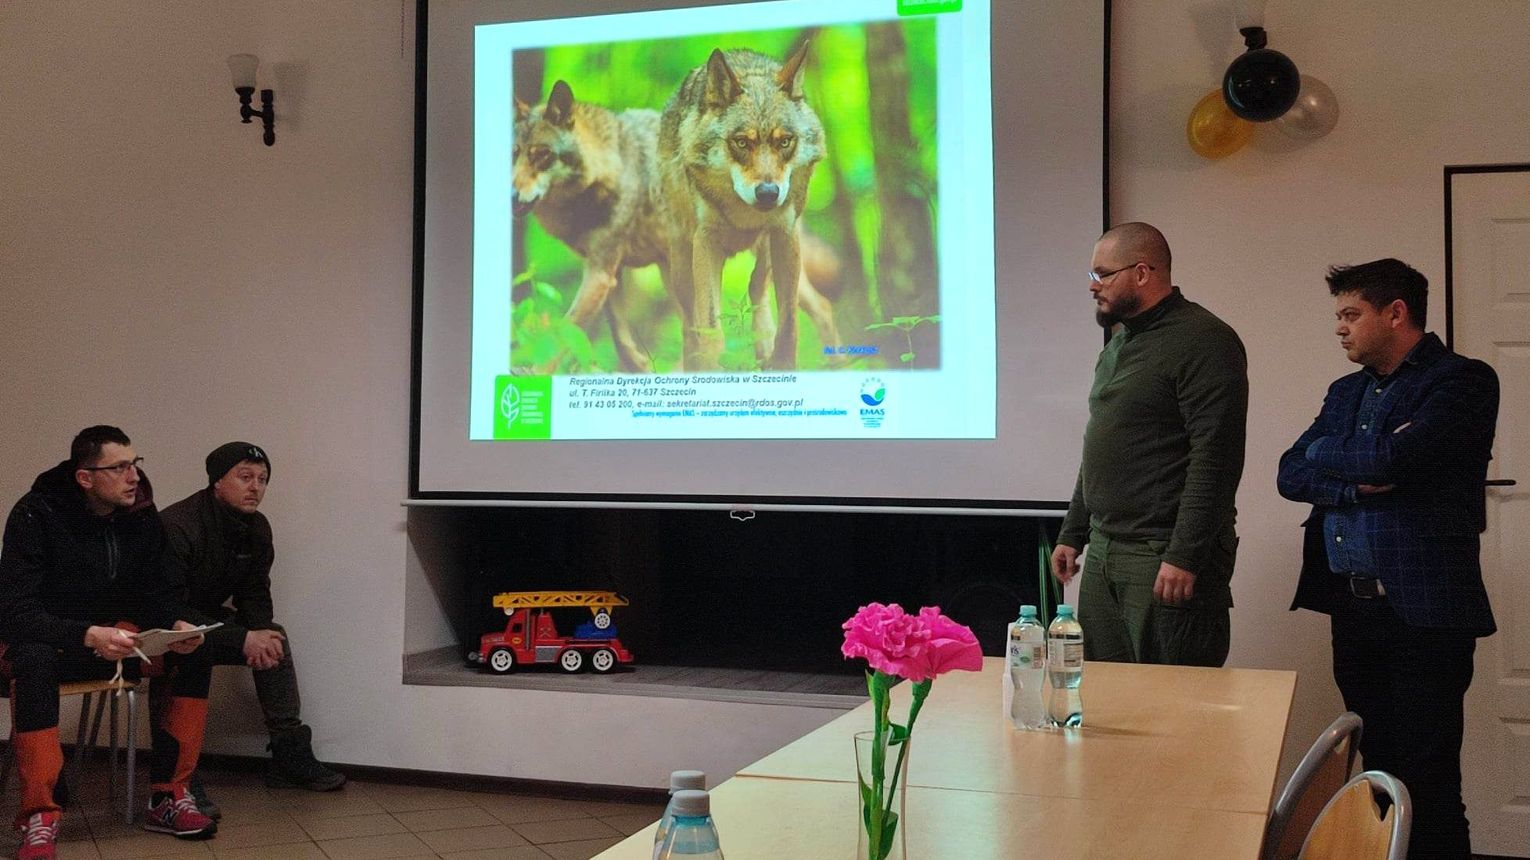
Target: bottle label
point(1065, 655)
point(1026, 655)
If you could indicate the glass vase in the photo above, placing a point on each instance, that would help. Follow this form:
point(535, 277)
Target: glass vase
point(881, 763)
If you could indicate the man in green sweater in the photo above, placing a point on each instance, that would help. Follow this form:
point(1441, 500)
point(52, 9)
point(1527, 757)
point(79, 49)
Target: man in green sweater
point(1163, 453)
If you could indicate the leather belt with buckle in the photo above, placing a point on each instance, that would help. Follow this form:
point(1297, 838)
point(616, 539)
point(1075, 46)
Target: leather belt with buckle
point(1366, 587)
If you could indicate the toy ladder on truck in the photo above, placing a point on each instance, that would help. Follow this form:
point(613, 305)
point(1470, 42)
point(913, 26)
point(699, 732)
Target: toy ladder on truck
point(531, 637)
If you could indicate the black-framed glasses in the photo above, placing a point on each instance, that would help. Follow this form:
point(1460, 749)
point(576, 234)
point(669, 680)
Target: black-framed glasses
point(1099, 277)
point(118, 469)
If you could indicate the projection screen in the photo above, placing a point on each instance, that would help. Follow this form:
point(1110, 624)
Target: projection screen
point(756, 254)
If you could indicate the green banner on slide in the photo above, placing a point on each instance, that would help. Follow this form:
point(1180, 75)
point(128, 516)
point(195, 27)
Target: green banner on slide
point(523, 407)
point(928, 7)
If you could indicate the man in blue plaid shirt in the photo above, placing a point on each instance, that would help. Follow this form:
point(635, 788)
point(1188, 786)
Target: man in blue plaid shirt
point(1394, 468)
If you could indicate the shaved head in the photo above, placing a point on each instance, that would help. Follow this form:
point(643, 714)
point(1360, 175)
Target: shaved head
point(1136, 240)
point(1128, 272)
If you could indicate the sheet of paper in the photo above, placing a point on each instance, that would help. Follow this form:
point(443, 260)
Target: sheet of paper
point(157, 641)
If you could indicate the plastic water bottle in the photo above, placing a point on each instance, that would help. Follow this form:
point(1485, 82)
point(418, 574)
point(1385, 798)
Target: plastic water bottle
point(1027, 662)
point(1065, 668)
point(680, 780)
point(692, 836)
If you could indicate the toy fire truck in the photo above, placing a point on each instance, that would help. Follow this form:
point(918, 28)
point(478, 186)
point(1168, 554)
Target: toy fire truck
point(530, 637)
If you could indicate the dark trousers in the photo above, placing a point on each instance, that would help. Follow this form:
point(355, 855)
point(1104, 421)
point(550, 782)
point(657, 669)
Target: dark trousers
point(1124, 623)
point(1408, 685)
point(38, 670)
point(276, 688)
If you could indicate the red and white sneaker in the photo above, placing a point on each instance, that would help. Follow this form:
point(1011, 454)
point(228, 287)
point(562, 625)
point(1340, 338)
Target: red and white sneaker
point(38, 836)
point(175, 812)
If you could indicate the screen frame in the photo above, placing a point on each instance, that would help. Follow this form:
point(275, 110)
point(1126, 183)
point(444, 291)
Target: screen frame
point(418, 497)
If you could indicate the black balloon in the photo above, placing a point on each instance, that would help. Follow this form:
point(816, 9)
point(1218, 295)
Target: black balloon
point(1261, 85)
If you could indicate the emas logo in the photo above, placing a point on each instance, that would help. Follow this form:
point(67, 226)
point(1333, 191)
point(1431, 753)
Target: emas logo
point(873, 394)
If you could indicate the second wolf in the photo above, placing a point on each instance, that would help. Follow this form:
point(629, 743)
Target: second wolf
point(737, 146)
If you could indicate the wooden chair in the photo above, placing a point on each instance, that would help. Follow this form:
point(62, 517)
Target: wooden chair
point(1322, 772)
point(88, 691)
point(1352, 826)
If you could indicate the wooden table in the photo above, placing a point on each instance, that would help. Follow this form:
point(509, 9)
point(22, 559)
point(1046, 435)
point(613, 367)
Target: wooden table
point(1171, 762)
point(810, 820)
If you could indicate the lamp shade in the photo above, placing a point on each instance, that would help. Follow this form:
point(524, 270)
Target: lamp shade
point(242, 67)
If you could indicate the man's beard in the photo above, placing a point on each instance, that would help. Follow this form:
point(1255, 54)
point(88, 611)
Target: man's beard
point(1122, 309)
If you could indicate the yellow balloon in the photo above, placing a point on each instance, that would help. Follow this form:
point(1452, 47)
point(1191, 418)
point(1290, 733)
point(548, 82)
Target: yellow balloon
point(1213, 130)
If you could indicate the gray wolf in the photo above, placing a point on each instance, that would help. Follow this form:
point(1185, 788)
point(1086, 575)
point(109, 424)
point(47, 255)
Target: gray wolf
point(737, 146)
point(591, 176)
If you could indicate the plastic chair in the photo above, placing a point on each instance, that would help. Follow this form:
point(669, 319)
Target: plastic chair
point(1322, 772)
point(87, 691)
point(1353, 827)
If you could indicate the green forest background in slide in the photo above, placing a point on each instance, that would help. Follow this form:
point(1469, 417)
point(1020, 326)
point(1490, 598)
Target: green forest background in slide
point(872, 200)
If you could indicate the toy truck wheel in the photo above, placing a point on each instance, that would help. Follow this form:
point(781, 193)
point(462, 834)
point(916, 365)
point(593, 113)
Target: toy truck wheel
point(571, 660)
point(602, 620)
point(603, 660)
point(501, 660)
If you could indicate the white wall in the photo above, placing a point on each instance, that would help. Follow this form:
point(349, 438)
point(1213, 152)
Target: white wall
point(165, 271)
point(1420, 85)
point(161, 269)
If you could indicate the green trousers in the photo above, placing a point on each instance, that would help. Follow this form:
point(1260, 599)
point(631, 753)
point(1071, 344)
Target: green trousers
point(1124, 623)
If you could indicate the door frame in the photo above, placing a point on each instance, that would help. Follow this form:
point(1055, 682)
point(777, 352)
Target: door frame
point(1451, 171)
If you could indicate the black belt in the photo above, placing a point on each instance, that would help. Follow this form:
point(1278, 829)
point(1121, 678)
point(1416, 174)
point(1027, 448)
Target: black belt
point(1366, 587)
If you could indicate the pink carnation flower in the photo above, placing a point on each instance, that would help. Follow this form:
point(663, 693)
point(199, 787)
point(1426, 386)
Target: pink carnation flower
point(915, 647)
point(951, 646)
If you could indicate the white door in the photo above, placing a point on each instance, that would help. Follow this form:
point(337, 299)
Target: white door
point(1490, 232)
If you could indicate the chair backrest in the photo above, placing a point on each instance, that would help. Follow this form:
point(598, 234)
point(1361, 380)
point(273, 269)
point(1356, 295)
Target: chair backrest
point(1352, 826)
point(1322, 772)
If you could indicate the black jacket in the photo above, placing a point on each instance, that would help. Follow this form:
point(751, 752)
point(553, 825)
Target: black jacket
point(1431, 441)
point(63, 569)
point(218, 553)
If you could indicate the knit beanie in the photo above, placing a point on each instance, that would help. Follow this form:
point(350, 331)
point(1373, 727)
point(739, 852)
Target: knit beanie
point(225, 457)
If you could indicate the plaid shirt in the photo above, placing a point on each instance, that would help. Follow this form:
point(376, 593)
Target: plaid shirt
point(1427, 433)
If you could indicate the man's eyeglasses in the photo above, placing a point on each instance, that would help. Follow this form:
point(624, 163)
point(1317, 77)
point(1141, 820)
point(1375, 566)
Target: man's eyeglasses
point(1099, 277)
point(118, 469)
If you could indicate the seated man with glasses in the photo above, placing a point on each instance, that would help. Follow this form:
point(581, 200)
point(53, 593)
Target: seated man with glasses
point(80, 571)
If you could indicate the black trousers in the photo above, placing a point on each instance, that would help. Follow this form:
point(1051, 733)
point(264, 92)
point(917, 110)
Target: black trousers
point(1408, 684)
point(39, 669)
point(276, 688)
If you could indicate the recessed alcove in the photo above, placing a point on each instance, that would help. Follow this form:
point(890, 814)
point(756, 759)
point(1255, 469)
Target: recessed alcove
point(719, 609)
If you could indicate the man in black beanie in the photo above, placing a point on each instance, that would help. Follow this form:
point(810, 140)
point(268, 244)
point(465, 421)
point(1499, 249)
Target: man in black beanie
point(219, 545)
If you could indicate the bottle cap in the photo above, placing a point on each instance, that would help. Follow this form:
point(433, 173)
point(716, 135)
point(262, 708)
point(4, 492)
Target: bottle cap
point(692, 803)
point(681, 780)
point(1027, 611)
point(1064, 610)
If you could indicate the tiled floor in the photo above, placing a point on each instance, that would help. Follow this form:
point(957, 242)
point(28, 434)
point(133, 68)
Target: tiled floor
point(364, 820)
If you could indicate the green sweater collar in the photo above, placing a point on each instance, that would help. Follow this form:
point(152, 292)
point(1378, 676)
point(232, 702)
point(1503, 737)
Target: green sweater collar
point(1150, 317)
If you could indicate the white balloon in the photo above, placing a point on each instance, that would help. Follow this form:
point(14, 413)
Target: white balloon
point(1314, 114)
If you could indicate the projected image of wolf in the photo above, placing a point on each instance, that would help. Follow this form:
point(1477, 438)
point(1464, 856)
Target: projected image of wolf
point(727, 202)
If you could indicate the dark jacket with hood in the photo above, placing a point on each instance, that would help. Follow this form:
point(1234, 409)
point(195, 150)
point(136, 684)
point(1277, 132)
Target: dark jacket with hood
point(218, 553)
point(64, 569)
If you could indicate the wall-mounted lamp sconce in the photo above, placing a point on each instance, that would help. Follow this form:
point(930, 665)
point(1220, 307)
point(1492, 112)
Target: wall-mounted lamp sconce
point(242, 67)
